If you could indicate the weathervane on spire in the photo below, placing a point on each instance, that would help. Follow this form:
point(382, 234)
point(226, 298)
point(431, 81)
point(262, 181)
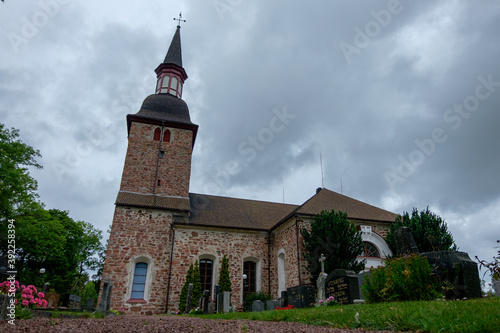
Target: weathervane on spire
point(179, 19)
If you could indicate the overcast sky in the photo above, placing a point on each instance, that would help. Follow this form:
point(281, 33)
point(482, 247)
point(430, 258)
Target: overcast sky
point(400, 99)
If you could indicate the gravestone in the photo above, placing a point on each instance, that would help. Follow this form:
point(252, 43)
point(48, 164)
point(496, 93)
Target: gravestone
point(4, 303)
point(52, 299)
point(361, 282)
point(271, 305)
point(72, 301)
point(90, 304)
point(206, 301)
point(106, 295)
point(458, 270)
point(226, 301)
point(218, 304)
point(257, 306)
point(404, 241)
point(211, 308)
point(284, 299)
point(189, 297)
point(343, 286)
point(301, 296)
point(496, 286)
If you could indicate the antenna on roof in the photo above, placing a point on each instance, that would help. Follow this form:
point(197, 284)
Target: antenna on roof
point(341, 187)
point(321, 162)
point(283, 194)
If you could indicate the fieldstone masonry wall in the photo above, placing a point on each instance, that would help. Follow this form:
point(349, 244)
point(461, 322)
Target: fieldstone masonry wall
point(174, 168)
point(135, 237)
point(192, 244)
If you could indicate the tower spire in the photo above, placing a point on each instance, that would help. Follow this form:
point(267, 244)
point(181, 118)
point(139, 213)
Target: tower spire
point(170, 74)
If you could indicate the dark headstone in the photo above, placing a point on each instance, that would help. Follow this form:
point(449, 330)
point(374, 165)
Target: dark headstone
point(206, 301)
point(90, 304)
point(458, 270)
point(220, 301)
point(361, 281)
point(72, 301)
point(343, 286)
point(271, 305)
point(257, 306)
point(106, 295)
point(284, 299)
point(4, 303)
point(302, 296)
point(211, 308)
point(404, 241)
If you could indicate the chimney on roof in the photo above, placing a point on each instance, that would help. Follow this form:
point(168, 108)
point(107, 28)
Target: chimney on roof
point(318, 190)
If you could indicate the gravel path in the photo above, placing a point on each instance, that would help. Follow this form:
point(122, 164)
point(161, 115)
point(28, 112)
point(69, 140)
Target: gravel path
point(168, 324)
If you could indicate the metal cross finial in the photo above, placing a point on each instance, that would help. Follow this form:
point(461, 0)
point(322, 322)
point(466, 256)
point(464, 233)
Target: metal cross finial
point(179, 19)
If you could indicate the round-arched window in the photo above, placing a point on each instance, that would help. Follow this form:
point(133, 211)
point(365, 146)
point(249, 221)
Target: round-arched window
point(370, 251)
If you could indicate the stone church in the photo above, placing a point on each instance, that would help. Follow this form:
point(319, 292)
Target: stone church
point(159, 228)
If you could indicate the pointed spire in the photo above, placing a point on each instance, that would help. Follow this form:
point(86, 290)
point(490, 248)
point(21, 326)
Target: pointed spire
point(174, 54)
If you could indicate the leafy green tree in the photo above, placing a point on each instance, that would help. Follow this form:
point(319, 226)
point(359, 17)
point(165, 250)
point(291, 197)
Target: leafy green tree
point(17, 187)
point(184, 290)
point(224, 279)
point(47, 239)
point(429, 231)
point(334, 236)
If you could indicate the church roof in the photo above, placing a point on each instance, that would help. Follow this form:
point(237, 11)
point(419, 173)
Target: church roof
point(225, 212)
point(327, 200)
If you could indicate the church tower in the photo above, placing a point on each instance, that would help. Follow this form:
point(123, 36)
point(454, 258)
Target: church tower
point(154, 191)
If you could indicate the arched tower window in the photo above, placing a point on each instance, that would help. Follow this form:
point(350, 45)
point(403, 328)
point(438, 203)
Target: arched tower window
point(139, 283)
point(157, 134)
point(206, 274)
point(166, 136)
point(370, 251)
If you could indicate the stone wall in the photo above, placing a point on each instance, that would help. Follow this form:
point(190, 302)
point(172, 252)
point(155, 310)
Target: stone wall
point(138, 235)
point(142, 159)
point(193, 244)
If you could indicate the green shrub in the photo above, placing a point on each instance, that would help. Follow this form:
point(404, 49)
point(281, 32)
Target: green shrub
point(406, 278)
point(251, 297)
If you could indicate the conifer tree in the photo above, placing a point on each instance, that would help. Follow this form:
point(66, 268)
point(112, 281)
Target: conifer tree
point(184, 290)
point(334, 236)
point(197, 292)
point(224, 280)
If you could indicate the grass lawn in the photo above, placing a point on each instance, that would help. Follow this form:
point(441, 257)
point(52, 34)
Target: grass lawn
point(477, 315)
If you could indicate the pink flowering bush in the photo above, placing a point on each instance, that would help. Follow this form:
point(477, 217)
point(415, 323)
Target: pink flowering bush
point(28, 295)
point(31, 297)
point(6, 285)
